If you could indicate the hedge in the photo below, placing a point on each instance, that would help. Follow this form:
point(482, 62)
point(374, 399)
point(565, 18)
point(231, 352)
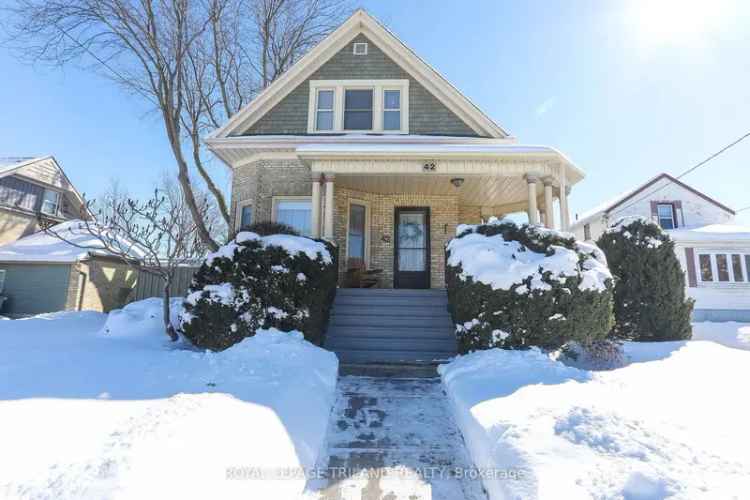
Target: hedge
point(514, 287)
point(278, 280)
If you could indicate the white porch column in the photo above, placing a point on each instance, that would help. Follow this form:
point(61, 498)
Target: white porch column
point(564, 191)
point(315, 212)
point(328, 216)
point(549, 216)
point(531, 180)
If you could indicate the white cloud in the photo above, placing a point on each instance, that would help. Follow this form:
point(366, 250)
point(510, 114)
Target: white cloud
point(545, 106)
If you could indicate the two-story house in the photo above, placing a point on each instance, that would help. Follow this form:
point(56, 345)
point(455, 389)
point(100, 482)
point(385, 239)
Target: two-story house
point(364, 143)
point(713, 251)
point(30, 187)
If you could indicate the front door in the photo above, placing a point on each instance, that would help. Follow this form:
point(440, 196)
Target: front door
point(411, 266)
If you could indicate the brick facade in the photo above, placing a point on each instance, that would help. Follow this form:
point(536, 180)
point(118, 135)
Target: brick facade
point(259, 182)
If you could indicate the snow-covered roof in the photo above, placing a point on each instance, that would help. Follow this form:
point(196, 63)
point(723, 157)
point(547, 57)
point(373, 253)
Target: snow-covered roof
point(711, 232)
point(612, 203)
point(43, 247)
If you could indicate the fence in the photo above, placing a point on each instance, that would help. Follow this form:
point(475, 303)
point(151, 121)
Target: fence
point(150, 285)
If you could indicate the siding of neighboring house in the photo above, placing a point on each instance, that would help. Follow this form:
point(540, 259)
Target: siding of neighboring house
point(109, 284)
point(427, 115)
point(35, 288)
point(15, 224)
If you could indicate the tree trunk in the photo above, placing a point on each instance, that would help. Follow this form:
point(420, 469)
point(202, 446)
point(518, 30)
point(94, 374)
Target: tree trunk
point(165, 308)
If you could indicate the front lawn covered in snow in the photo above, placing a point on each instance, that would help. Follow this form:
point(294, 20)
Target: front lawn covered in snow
point(674, 421)
point(98, 408)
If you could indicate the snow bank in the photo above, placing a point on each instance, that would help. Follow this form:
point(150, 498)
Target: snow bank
point(142, 318)
point(730, 334)
point(503, 264)
point(107, 407)
point(668, 424)
point(292, 244)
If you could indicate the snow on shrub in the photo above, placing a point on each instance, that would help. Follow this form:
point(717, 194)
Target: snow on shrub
point(514, 286)
point(650, 302)
point(276, 281)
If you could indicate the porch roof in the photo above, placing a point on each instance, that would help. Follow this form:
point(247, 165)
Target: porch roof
point(480, 158)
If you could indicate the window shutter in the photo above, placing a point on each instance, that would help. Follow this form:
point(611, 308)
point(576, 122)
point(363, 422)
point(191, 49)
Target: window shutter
point(690, 264)
point(654, 212)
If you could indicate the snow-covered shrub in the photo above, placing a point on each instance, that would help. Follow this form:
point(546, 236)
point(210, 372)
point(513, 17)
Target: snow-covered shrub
point(650, 302)
point(514, 286)
point(276, 281)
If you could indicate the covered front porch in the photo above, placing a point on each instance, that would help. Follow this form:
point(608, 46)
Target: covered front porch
point(392, 208)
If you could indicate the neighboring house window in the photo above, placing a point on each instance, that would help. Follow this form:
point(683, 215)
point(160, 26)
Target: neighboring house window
point(294, 212)
point(19, 193)
point(324, 110)
point(726, 267)
point(722, 266)
point(246, 216)
point(358, 109)
point(739, 276)
point(665, 212)
point(2, 280)
point(705, 264)
point(392, 110)
point(50, 202)
point(339, 106)
point(587, 231)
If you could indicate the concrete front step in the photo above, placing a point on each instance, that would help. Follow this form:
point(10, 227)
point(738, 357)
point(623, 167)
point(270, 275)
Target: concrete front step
point(395, 309)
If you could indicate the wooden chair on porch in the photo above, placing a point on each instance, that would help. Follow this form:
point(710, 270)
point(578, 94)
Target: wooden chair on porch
point(358, 276)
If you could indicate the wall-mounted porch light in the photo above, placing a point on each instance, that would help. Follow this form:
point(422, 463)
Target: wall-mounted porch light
point(457, 181)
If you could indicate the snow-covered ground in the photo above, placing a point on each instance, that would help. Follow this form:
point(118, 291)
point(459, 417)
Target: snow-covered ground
point(730, 334)
point(89, 410)
point(673, 422)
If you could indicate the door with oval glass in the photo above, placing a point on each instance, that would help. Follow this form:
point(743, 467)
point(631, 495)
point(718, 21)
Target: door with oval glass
point(411, 263)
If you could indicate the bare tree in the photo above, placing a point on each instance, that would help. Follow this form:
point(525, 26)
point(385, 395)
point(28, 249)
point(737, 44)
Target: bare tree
point(196, 61)
point(156, 236)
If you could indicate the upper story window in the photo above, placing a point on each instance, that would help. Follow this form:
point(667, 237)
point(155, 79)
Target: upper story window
point(587, 231)
point(324, 111)
point(359, 106)
point(666, 214)
point(392, 109)
point(50, 202)
point(358, 109)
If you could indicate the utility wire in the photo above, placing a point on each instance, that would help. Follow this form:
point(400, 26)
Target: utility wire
point(692, 169)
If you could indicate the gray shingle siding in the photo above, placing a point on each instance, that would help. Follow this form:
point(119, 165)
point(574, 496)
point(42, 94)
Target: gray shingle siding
point(427, 115)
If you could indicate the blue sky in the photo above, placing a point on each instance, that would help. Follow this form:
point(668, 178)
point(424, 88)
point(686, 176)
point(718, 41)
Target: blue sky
point(626, 89)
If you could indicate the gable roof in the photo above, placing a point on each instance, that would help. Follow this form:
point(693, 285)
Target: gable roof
point(361, 22)
point(10, 166)
point(615, 202)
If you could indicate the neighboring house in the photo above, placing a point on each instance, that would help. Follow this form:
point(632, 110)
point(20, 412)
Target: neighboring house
point(41, 273)
point(30, 187)
point(713, 252)
point(364, 143)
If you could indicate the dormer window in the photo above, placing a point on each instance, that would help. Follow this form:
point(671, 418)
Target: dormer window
point(359, 106)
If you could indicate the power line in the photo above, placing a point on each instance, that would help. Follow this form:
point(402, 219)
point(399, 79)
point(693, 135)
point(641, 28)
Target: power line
point(742, 209)
point(693, 168)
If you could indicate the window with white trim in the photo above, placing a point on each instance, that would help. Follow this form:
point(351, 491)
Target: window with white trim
point(358, 109)
point(359, 106)
point(2, 280)
point(665, 213)
point(391, 109)
point(294, 211)
point(50, 202)
point(724, 267)
point(324, 110)
point(246, 215)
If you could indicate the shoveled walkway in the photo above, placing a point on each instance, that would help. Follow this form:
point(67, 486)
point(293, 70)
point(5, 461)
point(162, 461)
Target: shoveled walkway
point(392, 439)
